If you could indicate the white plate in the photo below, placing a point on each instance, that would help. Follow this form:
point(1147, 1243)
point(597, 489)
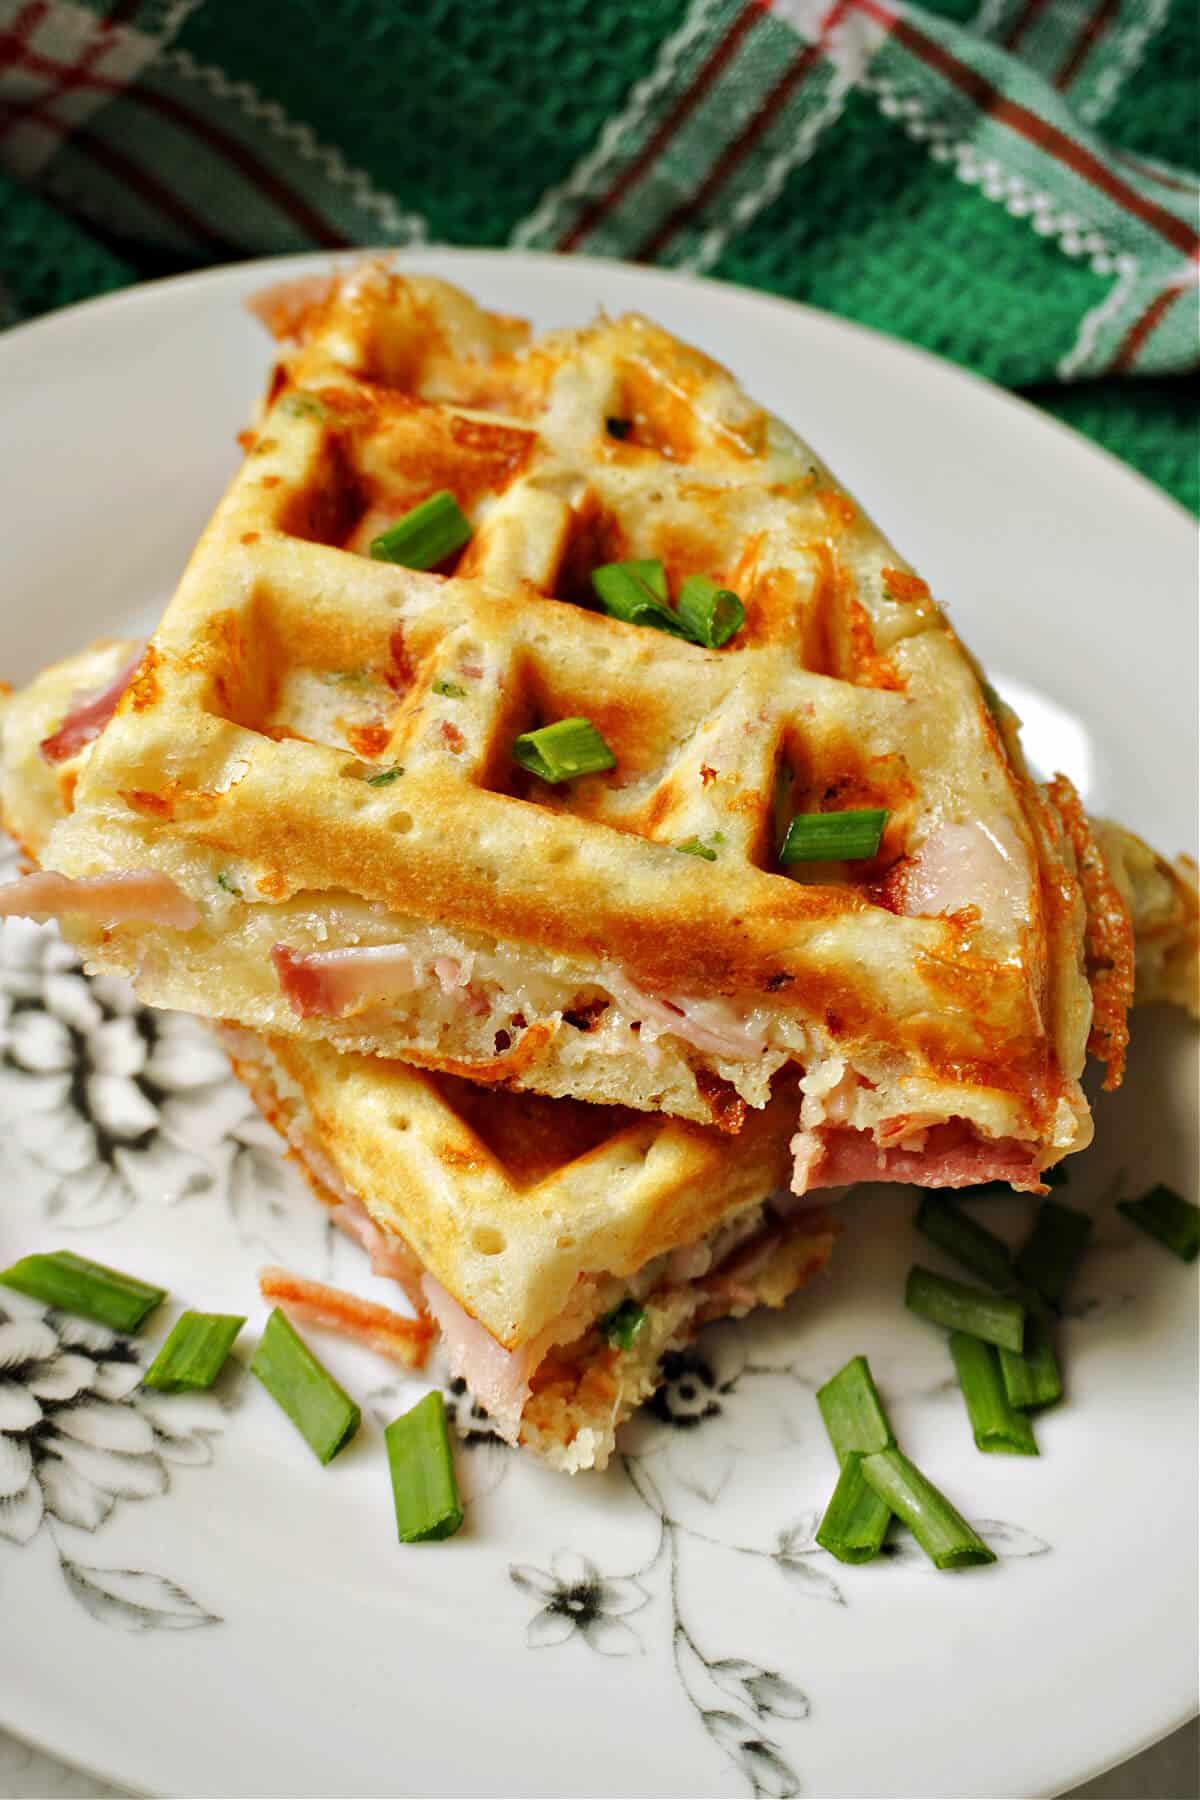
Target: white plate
point(240, 1621)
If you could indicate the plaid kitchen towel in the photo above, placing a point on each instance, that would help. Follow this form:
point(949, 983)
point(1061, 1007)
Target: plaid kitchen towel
point(1002, 181)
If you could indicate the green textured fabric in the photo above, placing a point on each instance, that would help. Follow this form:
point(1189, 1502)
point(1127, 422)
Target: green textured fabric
point(1005, 182)
point(46, 260)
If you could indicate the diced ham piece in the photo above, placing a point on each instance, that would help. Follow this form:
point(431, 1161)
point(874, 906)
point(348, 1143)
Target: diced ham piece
point(145, 897)
point(968, 865)
point(498, 1378)
point(286, 307)
point(328, 984)
point(712, 1026)
point(389, 1255)
point(89, 713)
point(952, 1155)
point(449, 972)
point(404, 1340)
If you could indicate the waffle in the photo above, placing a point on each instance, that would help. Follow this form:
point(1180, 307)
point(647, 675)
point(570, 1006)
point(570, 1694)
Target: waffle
point(934, 998)
point(534, 1217)
point(538, 1217)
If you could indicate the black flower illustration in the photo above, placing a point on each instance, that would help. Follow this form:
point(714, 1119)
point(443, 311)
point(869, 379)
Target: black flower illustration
point(99, 1090)
point(470, 1423)
point(76, 1434)
point(687, 1426)
point(577, 1598)
point(690, 1392)
point(770, 1695)
point(758, 1758)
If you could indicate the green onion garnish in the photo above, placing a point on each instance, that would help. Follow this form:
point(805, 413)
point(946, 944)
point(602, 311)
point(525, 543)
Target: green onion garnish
point(969, 1243)
point(224, 881)
point(712, 614)
point(636, 592)
point(694, 847)
point(856, 1520)
point(450, 689)
point(1167, 1216)
point(425, 536)
point(1049, 1259)
point(992, 1317)
point(996, 1423)
point(385, 777)
point(623, 1323)
point(833, 837)
point(322, 1412)
point(1032, 1379)
point(561, 751)
point(853, 1412)
point(942, 1533)
point(422, 1469)
point(90, 1289)
point(195, 1353)
point(301, 405)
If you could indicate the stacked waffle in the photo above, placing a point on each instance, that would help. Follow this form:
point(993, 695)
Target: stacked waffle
point(315, 808)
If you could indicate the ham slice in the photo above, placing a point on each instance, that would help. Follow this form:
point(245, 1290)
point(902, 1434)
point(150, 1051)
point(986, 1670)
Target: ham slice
point(89, 713)
point(404, 1340)
point(328, 984)
point(145, 897)
point(498, 1378)
point(951, 1155)
point(389, 1256)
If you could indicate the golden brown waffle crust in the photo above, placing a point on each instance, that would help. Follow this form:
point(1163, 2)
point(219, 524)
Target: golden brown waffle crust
point(289, 670)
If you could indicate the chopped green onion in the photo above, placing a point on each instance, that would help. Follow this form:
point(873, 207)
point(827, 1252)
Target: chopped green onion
point(321, 1410)
point(450, 689)
point(302, 406)
point(91, 1289)
point(711, 613)
point(856, 1519)
point(195, 1353)
point(424, 1487)
point(968, 1242)
point(636, 592)
point(425, 536)
point(992, 701)
point(1167, 1216)
point(993, 1318)
point(942, 1533)
point(223, 881)
point(694, 847)
point(1049, 1259)
point(561, 751)
point(853, 1412)
point(623, 1323)
point(833, 837)
point(995, 1422)
point(1032, 1379)
point(385, 777)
